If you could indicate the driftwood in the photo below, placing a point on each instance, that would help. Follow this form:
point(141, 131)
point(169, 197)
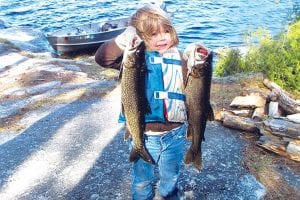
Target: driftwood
point(242, 112)
point(285, 100)
point(249, 101)
point(294, 118)
point(281, 127)
point(274, 109)
point(276, 118)
point(240, 123)
point(259, 114)
point(286, 149)
point(293, 149)
point(281, 137)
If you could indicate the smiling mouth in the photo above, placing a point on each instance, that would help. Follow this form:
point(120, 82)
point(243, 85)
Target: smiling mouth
point(161, 46)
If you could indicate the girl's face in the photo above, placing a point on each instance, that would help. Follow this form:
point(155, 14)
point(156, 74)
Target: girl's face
point(159, 41)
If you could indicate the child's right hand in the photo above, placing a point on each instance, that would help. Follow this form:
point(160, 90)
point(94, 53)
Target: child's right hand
point(195, 53)
point(128, 38)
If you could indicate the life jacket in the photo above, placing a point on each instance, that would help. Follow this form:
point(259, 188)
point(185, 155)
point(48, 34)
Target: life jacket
point(164, 87)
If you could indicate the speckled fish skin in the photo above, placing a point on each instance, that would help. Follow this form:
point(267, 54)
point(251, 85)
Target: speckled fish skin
point(199, 109)
point(133, 100)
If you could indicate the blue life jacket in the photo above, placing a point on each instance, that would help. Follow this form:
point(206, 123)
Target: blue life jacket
point(164, 87)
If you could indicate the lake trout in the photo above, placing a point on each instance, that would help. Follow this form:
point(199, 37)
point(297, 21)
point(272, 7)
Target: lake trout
point(133, 99)
point(198, 105)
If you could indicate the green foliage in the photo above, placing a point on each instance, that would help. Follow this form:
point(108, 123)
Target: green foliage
point(278, 58)
point(230, 64)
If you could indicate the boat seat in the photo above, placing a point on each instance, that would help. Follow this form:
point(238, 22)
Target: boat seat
point(108, 26)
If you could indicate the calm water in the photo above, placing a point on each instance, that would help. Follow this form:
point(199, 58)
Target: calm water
point(217, 23)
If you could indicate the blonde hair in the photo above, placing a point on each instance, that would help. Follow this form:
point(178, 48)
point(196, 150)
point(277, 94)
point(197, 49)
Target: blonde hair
point(151, 19)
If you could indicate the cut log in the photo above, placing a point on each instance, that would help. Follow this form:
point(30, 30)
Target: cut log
point(279, 147)
point(259, 114)
point(272, 97)
point(282, 127)
point(293, 149)
point(284, 99)
point(240, 123)
point(274, 110)
point(219, 116)
point(250, 101)
point(272, 142)
point(242, 112)
point(271, 85)
point(294, 118)
point(289, 105)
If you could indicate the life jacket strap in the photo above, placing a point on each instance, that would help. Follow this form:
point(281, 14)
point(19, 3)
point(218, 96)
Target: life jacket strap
point(169, 95)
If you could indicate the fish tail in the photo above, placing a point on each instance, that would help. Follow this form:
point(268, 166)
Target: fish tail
point(211, 116)
point(135, 154)
point(198, 161)
point(195, 158)
point(189, 156)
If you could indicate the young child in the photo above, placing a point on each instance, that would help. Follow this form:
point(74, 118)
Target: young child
point(165, 129)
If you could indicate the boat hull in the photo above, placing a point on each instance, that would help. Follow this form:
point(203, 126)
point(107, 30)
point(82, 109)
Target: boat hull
point(75, 44)
point(86, 37)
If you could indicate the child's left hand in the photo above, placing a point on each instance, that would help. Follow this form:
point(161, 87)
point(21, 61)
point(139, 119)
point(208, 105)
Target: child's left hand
point(128, 39)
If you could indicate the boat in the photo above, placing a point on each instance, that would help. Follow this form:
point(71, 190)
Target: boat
point(86, 37)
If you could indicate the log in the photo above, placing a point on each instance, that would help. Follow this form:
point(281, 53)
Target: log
point(272, 97)
point(271, 85)
point(240, 123)
point(282, 127)
point(242, 112)
point(259, 114)
point(274, 110)
point(284, 99)
point(289, 105)
point(279, 147)
point(250, 101)
point(294, 118)
point(273, 143)
point(282, 146)
point(293, 149)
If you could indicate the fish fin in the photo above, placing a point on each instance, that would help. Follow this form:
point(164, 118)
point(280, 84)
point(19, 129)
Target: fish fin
point(195, 158)
point(189, 134)
point(127, 134)
point(198, 161)
point(135, 154)
point(120, 73)
point(189, 156)
point(211, 116)
point(186, 79)
point(146, 156)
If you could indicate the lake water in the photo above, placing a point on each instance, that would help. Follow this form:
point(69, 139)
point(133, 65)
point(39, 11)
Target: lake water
point(217, 23)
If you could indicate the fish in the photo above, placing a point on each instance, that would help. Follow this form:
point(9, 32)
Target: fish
point(133, 98)
point(199, 109)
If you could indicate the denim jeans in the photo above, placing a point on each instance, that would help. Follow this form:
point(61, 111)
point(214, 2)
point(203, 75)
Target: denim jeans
point(167, 152)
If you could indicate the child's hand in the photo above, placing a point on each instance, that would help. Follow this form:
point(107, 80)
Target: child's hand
point(128, 38)
point(195, 53)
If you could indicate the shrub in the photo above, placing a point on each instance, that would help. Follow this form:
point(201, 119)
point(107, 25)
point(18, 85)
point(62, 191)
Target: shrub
point(278, 58)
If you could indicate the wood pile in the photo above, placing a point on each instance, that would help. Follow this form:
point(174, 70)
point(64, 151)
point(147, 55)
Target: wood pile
point(275, 115)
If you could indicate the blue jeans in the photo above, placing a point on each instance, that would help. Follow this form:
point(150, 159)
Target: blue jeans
point(167, 152)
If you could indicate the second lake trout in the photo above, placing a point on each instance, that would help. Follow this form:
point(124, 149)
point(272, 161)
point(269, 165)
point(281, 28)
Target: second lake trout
point(199, 109)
